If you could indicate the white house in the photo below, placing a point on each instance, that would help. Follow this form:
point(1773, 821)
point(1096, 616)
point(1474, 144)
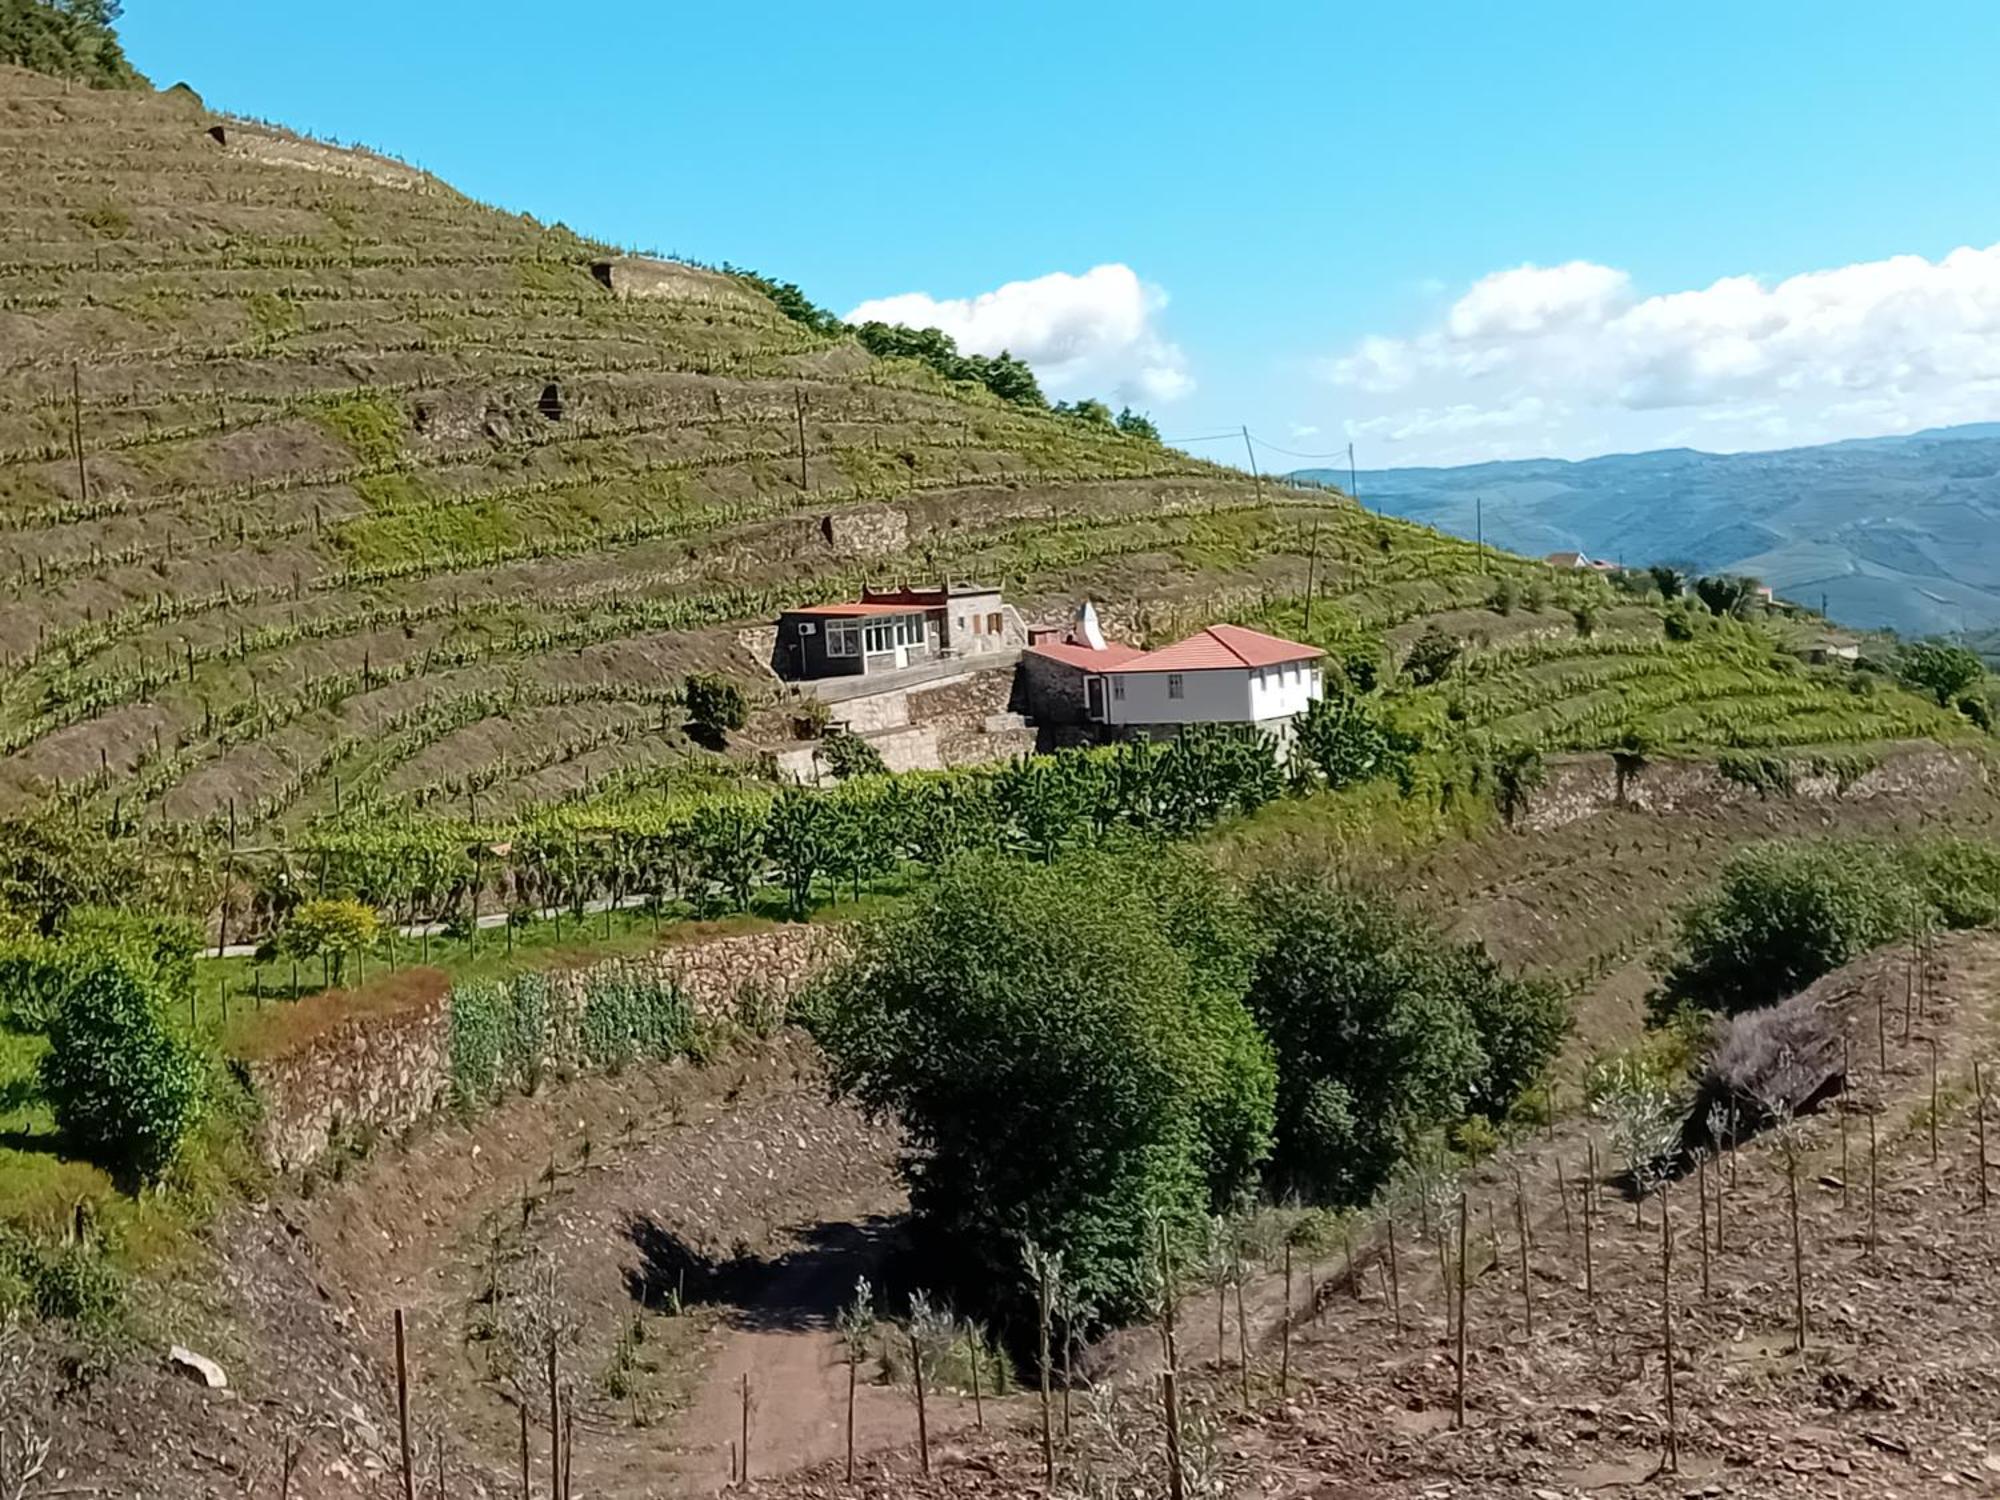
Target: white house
point(1225, 674)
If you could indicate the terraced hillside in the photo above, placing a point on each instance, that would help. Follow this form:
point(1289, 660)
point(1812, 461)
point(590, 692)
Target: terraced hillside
point(319, 481)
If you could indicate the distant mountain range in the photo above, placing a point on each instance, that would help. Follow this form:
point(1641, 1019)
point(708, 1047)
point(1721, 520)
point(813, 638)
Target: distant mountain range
point(1900, 533)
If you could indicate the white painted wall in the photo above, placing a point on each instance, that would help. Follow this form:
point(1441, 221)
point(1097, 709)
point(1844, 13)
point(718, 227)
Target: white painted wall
point(1226, 695)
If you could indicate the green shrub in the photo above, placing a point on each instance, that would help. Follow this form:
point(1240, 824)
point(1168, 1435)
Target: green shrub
point(632, 1016)
point(125, 1089)
point(1431, 658)
point(1939, 670)
point(1068, 1053)
point(1959, 879)
point(1383, 1032)
point(716, 706)
point(849, 755)
point(328, 928)
point(1339, 737)
point(1781, 916)
point(73, 1282)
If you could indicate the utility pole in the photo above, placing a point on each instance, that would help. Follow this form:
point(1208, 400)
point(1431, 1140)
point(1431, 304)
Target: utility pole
point(1353, 483)
point(1247, 448)
point(799, 408)
point(1479, 525)
point(1312, 569)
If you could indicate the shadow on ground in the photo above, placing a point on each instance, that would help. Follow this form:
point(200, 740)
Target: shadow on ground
point(801, 1290)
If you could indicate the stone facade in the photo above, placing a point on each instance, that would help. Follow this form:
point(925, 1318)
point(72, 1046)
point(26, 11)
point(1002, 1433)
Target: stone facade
point(385, 1074)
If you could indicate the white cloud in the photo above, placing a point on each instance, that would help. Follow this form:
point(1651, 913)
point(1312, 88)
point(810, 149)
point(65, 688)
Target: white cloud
point(1878, 346)
point(1097, 334)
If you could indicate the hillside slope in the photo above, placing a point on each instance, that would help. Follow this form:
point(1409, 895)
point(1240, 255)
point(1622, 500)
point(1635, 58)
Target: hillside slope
point(1900, 532)
point(315, 474)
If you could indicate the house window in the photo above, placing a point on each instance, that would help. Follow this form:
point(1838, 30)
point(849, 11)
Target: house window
point(993, 626)
point(1118, 690)
point(909, 630)
point(880, 638)
point(843, 639)
point(1176, 687)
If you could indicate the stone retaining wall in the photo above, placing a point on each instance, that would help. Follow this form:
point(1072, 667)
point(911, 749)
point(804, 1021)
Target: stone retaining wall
point(374, 1074)
point(1583, 786)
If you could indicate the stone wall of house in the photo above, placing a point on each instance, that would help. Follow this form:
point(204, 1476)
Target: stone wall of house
point(1051, 692)
point(375, 1075)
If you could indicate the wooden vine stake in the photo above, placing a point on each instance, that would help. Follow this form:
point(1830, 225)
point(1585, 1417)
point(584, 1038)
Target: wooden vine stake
point(403, 1407)
point(1589, 1271)
point(1872, 1239)
point(1170, 1378)
point(1673, 1459)
point(1458, 1392)
point(1701, 1196)
point(923, 1419)
point(1285, 1330)
point(1527, 1270)
point(1934, 1103)
point(1979, 1115)
point(744, 1469)
point(1395, 1279)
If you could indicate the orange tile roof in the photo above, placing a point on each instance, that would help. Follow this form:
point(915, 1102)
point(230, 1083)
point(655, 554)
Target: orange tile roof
point(1223, 647)
point(1088, 658)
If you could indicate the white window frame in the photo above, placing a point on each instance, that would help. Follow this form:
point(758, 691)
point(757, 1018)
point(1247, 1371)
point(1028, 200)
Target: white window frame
point(1118, 689)
point(910, 630)
point(1176, 685)
point(878, 638)
point(842, 639)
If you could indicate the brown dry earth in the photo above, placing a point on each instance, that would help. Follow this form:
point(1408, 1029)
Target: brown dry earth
point(769, 1200)
point(1895, 1394)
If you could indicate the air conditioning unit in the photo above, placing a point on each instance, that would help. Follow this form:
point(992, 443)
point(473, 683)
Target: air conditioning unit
point(807, 627)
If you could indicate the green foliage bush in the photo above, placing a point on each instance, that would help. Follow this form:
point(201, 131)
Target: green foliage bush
point(1431, 658)
point(72, 38)
point(329, 928)
point(1939, 670)
point(716, 706)
point(848, 755)
point(1383, 1032)
point(1780, 916)
point(1067, 1050)
point(1339, 736)
point(125, 1088)
point(507, 1034)
point(73, 1282)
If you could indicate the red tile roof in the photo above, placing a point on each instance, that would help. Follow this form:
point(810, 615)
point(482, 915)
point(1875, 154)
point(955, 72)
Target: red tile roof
point(1086, 658)
point(1223, 647)
point(856, 611)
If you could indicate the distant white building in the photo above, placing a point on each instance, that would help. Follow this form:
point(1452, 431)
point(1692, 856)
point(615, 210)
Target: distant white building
point(1226, 674)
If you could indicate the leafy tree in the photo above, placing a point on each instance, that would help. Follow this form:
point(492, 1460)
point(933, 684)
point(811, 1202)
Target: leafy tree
point(1727, 595)
point(848, 755)
point(1670, 581)
point(125, 1089)
point(1939, 669)
point(715, 706)
point(1339, 736)
point(1068, 1053)
point(48, 866)
point(726, 841)
point(1780, 916)
point(1431, 658)
point(328, 928)
point(1045, 798)
point(798, 836)
point(76, 38)
point(1381, 1031)
point(790, 301)
point(1137, 424)
point(1091, 413)
point(1211, 771)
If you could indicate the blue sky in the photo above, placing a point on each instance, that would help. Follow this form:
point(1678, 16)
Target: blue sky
point(1309, 219)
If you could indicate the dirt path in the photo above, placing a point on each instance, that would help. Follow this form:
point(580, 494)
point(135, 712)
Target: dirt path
point(785, 1342)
